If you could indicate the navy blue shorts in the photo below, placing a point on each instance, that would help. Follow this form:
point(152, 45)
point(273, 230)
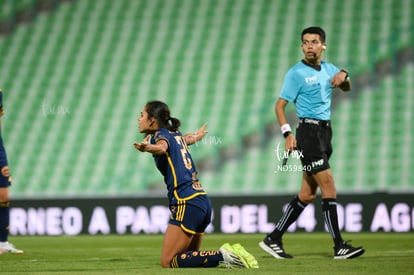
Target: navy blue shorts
point(193, 216)
point(5, 179)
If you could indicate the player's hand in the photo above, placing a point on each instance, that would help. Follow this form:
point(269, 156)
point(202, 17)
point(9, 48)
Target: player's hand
point(201, 132)
point(290, 144)
point(338, 79)
point(192, 138)
point(142, 146)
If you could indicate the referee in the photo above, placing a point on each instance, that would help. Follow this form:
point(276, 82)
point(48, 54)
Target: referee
point(309, 85)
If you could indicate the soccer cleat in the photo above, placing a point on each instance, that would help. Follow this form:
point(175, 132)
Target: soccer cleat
point(346, 251)
point(274, 248)
point(231, 257)
point(6, 247)
point(248, 258)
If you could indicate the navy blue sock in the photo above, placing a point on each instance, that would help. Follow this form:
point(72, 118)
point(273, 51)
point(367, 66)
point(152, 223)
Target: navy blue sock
point(210, 258)
point(4, 221)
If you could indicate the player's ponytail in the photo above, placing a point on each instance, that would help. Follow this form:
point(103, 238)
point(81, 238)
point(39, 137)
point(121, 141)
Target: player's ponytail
point(160, 111)
point(174, 124)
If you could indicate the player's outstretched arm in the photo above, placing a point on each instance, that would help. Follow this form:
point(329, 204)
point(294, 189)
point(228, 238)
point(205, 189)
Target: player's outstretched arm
point(192, 138)
point(157, 149)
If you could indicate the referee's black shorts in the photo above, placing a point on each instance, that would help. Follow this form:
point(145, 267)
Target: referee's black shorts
point(314, 141)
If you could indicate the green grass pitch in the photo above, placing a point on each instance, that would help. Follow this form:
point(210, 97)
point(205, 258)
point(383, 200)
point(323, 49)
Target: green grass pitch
point(386, 253)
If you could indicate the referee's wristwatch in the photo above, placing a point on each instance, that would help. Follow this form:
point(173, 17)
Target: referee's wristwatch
point(347, 74)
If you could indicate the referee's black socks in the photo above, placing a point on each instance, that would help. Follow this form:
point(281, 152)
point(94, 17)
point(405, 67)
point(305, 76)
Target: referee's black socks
point(330, 215)
point(290, 215)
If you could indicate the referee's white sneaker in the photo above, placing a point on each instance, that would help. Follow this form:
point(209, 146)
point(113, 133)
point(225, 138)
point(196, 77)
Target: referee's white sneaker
point(346, 251)
point(6, 247)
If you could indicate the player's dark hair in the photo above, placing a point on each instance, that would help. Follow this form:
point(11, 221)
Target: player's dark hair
point(314, 30)
point(160, 111)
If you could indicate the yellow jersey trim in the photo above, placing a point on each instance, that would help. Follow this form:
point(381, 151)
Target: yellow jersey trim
point(176, 184)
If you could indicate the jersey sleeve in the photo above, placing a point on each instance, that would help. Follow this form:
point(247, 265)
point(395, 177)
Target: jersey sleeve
point(332, 69)
point(160, 135)
point(290, 87)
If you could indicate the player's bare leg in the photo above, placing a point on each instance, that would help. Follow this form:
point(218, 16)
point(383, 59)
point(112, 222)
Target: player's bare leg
point(175, 241)
point(181, 249)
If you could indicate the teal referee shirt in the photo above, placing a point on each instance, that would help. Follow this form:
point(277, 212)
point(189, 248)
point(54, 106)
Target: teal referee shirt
point(309, 89)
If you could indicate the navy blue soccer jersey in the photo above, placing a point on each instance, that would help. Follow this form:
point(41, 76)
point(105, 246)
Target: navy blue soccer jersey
point(177, 167)
point(5, 178)
point(310, 89)
point(1, 102)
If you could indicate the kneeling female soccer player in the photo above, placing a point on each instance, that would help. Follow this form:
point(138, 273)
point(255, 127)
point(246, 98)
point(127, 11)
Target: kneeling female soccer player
point(188, 202)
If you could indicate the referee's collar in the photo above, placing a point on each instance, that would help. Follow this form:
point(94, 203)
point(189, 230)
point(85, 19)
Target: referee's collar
point(316, 67)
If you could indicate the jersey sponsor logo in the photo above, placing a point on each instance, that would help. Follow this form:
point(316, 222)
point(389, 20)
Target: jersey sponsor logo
point(208, 253)
point(312, 79)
